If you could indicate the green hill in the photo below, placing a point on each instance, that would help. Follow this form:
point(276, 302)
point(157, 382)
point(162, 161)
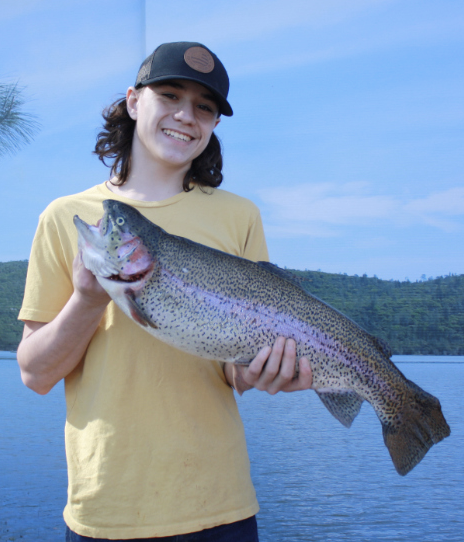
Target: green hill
point(414, 317)
point(12, 279)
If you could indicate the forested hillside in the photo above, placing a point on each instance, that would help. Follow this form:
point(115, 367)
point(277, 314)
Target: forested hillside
point(12, 279)
point(414, 317)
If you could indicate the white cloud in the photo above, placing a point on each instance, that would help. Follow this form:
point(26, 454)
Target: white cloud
point(11, 10)
point(450, 202)
point(328, 203)
point(327, 209)
point(61, 48)
point(85, 72)
point(342, 41)
point(21, 8)
point(220, 23)
point(439, 209)
point(265, 39)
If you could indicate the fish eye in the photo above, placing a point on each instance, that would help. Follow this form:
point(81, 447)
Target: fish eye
point(120, 221)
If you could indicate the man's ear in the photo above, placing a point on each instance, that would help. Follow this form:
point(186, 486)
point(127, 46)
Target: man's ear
point(132, 100)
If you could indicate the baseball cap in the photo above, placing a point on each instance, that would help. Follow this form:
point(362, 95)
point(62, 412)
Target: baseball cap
point(187, 60)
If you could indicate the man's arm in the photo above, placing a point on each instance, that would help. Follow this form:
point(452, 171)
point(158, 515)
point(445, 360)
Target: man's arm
point(272, 370)
point(50, 351)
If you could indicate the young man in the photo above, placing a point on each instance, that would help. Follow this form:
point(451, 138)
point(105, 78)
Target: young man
point(154, 442)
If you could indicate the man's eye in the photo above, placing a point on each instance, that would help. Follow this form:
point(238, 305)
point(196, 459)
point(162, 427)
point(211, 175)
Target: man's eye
point(205, 107)
point(170, 96)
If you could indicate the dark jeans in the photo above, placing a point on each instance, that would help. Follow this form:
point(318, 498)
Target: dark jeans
point(241, 531)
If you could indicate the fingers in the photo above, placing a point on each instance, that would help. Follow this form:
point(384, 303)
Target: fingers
point(273, 369)
point(280, 367)
point(304, 381)
point(252, 373)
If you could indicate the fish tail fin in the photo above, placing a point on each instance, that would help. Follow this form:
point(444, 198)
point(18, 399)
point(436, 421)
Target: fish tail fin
point(418, 427)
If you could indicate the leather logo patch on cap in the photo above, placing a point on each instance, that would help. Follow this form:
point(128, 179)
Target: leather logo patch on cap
point(199, 59)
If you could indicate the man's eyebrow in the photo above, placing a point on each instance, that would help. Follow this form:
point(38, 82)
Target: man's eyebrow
point(175, 84)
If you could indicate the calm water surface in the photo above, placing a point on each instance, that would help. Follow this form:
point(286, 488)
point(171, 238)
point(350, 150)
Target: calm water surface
point(315, 480)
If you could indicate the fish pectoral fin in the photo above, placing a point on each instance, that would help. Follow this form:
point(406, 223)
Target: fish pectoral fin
point(343, 404)
point(136, 312)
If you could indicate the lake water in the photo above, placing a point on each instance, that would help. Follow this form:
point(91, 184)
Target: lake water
point(315, 479)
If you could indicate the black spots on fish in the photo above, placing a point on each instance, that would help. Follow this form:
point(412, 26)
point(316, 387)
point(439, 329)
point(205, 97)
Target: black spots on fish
point(219, 306)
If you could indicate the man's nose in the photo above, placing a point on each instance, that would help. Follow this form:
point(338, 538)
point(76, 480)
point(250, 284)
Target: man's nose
point(185, 112)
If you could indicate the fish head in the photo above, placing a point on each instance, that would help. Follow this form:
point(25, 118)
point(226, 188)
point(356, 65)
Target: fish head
point(113, 249)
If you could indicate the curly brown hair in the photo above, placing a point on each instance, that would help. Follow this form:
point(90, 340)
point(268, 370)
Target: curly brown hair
point(114, 149)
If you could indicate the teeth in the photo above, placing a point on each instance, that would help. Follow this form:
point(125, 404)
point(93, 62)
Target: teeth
point(176, 135)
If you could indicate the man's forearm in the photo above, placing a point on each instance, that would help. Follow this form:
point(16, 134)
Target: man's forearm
point(49, 352)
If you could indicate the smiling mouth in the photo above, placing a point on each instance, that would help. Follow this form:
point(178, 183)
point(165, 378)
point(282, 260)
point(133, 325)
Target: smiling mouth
point(177, 135)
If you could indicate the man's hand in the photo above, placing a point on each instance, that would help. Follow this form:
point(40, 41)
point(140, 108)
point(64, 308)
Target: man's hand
point(272, 370)
point(86, 286)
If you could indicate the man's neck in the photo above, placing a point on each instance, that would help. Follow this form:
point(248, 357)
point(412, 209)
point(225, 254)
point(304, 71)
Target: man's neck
point(151, 181)
point(148, 190)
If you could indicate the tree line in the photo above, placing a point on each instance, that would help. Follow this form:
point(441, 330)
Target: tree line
point(425, 317)
point(415, 318)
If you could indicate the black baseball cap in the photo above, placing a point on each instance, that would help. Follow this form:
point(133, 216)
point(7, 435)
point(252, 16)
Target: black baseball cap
point(187, 60)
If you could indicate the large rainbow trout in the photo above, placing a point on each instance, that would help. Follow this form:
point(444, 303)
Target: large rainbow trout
point(222, 307)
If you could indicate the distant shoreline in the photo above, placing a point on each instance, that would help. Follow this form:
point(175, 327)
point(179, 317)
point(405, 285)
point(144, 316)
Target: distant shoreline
point(427, 359)
point(396, 359)
point(7, 354)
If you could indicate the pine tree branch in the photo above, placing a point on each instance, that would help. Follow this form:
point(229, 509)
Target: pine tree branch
point(17, 127)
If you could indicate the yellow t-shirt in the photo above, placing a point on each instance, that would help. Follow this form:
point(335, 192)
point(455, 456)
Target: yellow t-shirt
point(154, 442)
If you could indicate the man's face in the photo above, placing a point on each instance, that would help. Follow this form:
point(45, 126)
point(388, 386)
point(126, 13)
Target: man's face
point(174, 121)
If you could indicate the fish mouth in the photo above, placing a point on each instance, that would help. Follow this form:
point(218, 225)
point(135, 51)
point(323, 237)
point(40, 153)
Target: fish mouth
point(120, 260)
point(136, 280)
point(129, 278)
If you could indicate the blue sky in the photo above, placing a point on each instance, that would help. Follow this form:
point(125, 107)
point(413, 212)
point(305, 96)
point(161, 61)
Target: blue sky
point(347, 132)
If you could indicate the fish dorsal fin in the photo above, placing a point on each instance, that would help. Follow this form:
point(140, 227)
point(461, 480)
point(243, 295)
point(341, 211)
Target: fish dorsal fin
point(343, 404)
point(282, 273)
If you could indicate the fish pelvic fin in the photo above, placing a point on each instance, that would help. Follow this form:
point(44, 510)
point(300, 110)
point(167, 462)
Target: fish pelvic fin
point(343, 404)
point(421, 425)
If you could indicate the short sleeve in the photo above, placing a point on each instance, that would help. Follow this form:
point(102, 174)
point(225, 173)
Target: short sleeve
point(49, 276)
point(255, 246)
